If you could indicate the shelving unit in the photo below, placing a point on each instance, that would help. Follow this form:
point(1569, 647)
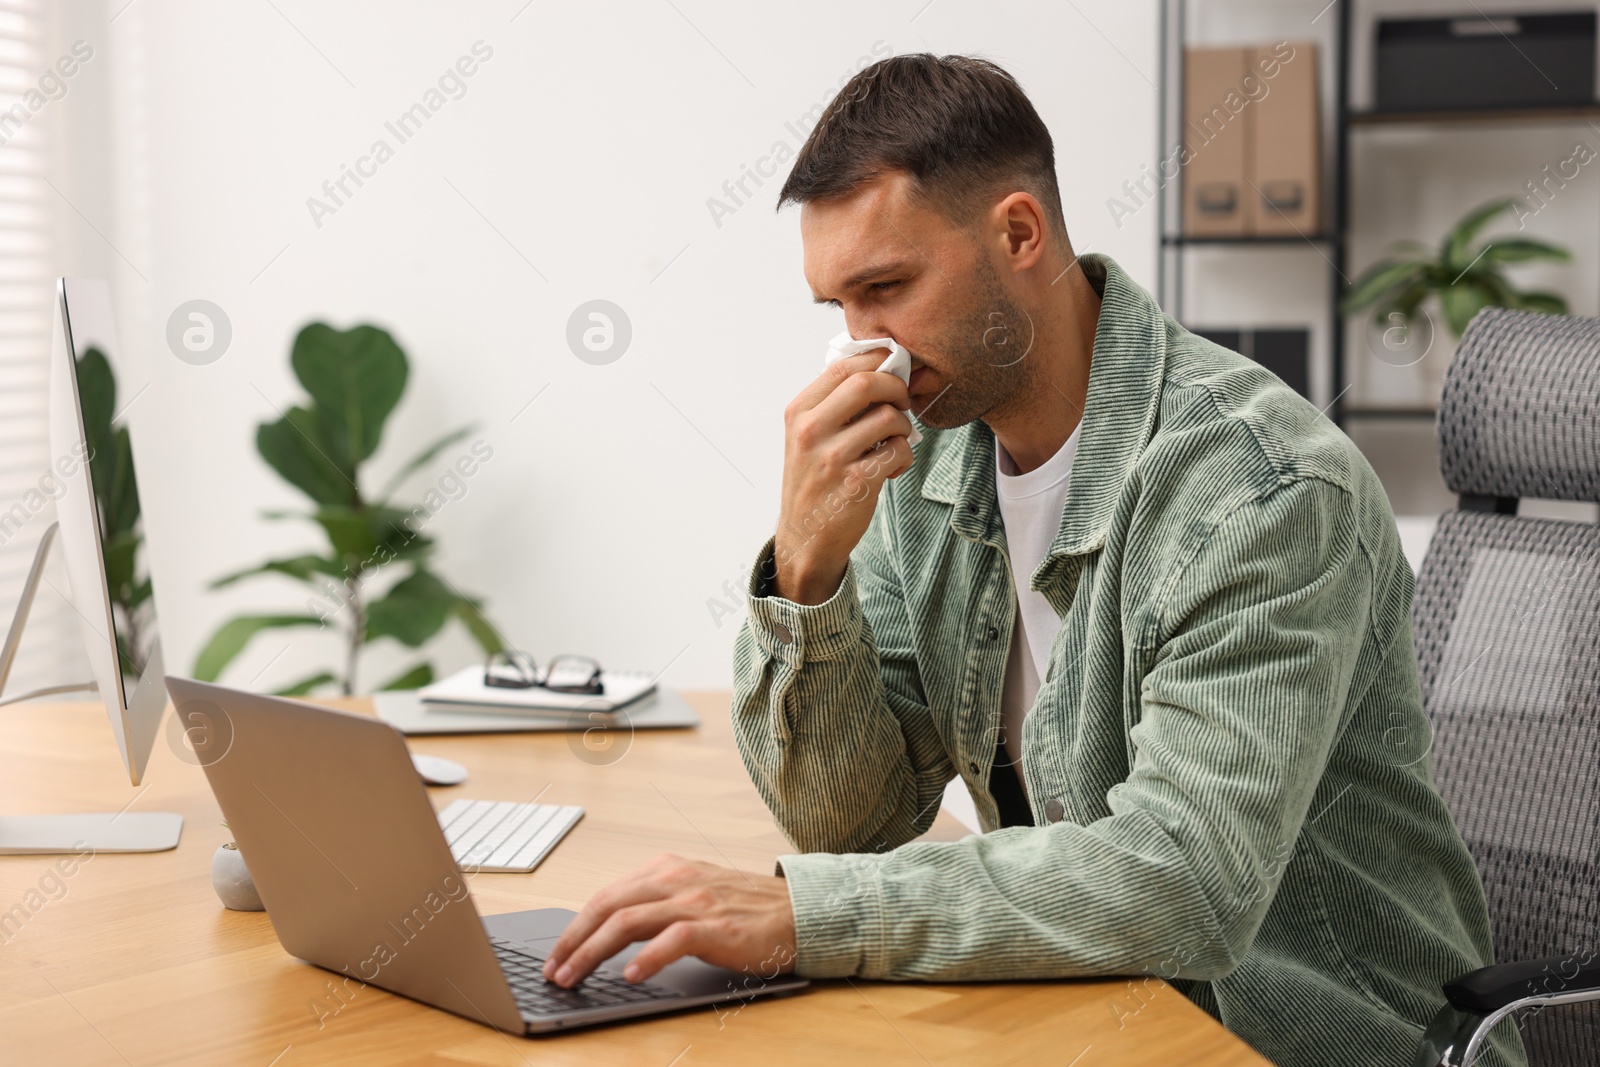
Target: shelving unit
point(1174, 242)
point(1332, 245)
point(1448, 118)
point(1264, 239)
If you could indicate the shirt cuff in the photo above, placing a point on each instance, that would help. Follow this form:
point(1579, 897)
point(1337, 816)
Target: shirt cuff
point(794, 633)
point(838, 911)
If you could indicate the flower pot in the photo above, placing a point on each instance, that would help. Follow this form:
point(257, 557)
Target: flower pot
point(231, 879)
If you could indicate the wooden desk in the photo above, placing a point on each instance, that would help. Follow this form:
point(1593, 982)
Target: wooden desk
point(132, 961)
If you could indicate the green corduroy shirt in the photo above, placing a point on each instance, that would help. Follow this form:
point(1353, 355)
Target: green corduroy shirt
point(1226, 761)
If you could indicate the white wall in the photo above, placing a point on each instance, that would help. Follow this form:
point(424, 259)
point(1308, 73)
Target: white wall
point(577, 166)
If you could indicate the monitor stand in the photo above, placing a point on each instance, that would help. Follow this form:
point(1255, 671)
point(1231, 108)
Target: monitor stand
point(88, 833)
point(128, 831)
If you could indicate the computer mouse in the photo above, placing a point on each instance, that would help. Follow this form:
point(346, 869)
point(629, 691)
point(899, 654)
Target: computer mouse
point(436, 770)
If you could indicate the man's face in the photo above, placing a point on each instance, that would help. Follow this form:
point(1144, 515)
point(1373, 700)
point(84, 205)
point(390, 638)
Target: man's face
point(900, 269)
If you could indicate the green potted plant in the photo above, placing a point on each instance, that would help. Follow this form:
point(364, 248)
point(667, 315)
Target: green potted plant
point(1465, 275)
point(354, 378)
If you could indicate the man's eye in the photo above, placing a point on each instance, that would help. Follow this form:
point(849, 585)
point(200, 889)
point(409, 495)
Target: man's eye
point(878, 287)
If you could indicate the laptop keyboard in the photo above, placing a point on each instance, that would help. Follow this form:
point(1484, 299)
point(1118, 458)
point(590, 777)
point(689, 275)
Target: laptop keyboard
point(488, 835)
point(525, 971)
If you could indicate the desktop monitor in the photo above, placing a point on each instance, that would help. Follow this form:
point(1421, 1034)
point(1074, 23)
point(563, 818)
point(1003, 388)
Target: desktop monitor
point(102, 540)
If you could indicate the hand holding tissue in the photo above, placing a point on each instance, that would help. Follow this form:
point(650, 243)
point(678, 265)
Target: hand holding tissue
point(898, 363)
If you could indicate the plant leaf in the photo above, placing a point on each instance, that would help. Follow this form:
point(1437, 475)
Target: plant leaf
point(356, 378)
point(233, 635)
point(422, 458)
point(1453, 256)
point(306, 685)
point(97, 400)
point(412, 611)
point(1379, 282)
point(350, 530)
point(116, 490)
point(294, 447)
point(367, 538)
point(1495, 287)
point(1461, 302)
point(120, 555)
point(397, 534)
point(1546, 302)
point(1416, 251)
point(415, 678)
point(305, 568)
point(1523, 250)
point(1410, 300)
point(111, 450)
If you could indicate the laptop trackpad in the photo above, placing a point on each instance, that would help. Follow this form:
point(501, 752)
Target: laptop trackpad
point(539, 929)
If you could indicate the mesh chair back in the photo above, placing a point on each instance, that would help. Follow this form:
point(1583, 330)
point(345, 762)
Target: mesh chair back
point(1507, 623)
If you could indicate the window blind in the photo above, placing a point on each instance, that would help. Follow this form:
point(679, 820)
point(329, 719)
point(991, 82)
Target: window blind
point(49, 653)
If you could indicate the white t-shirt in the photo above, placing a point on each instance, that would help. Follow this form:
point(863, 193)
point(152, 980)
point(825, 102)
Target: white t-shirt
point(1030, 507)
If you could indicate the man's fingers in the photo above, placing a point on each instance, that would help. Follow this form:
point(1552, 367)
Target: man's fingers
point(859, 392)
point(595, 913)
point(640, 885)
point(681, 938)
point(867, 462)
point(834, 373)
point(880, 423)
point(889, 459)
point(621, 929)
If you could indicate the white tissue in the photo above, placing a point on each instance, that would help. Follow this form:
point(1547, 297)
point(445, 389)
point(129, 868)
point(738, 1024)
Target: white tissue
point(898, 363)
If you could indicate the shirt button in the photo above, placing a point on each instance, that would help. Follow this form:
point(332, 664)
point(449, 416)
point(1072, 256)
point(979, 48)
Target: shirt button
point(994, 634)
point(1053, 810)
point(972, 509)
point(973, 767)
point(781, 632)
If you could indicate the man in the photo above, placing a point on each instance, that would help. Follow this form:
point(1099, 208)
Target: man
point(1139, 595)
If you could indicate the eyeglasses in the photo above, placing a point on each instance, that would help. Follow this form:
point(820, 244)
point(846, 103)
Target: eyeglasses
point(511, 669)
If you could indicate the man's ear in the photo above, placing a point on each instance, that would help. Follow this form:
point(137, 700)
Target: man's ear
point(1020, 227)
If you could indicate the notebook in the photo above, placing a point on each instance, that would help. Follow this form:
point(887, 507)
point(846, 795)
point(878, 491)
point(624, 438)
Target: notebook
point(465, 690)
point(403, 709)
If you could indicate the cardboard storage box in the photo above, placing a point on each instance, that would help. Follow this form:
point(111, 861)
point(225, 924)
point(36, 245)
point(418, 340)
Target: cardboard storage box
point(1285, 165)
point(1252, 134)
point(1214, 194)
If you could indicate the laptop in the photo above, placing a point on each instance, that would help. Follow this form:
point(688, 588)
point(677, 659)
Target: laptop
point(357, 877)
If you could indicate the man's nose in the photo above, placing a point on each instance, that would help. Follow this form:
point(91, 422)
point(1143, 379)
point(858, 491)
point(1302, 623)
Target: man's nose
point(862, 328)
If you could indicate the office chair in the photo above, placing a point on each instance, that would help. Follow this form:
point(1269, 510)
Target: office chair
point(1507, 624)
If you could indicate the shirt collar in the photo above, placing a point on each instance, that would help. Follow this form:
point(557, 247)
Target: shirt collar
point(1125, 372)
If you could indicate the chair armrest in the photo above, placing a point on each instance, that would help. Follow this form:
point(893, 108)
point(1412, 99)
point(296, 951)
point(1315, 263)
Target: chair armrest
point(1488, 989)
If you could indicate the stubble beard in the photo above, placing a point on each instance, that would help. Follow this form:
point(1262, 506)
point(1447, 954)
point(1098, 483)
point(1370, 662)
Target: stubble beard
point(984, 350)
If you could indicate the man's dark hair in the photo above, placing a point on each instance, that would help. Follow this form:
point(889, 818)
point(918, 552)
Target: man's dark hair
point(961, 126)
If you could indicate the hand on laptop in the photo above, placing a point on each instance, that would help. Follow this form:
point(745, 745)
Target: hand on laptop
point(683, 908)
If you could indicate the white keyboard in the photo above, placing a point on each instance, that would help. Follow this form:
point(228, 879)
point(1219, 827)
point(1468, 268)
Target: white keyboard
point(489, 835)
